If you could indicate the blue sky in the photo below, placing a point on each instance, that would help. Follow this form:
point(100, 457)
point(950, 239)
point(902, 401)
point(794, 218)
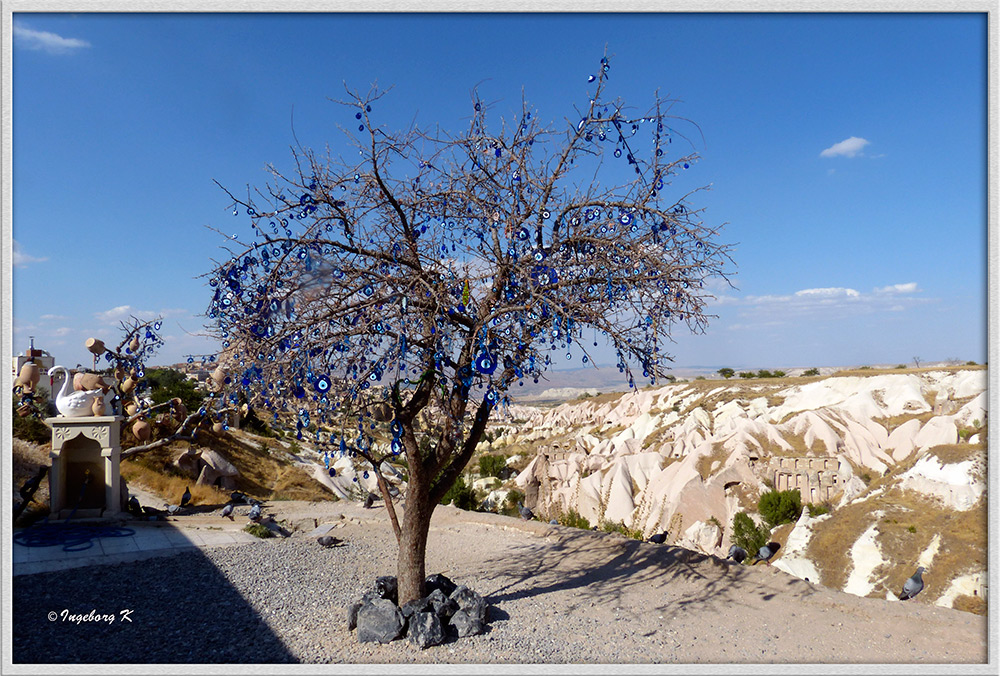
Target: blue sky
point(846, 153)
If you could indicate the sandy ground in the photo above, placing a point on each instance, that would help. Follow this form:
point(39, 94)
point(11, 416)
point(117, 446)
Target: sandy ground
point(656, 603)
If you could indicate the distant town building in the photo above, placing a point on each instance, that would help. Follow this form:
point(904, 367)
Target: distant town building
point(44, 361)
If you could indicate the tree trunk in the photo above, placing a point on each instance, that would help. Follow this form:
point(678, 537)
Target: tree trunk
point(410, 567)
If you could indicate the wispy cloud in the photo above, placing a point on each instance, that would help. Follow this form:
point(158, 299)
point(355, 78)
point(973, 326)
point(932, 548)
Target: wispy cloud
point(45, 41)
point(23, 260)
point(122, 312)
point(824, 303)
point(850, 147)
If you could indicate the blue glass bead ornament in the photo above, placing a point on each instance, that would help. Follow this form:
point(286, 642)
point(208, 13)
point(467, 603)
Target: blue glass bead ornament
point(485, 363)
point(322, 384)
point(299, 392)
point(332, 472)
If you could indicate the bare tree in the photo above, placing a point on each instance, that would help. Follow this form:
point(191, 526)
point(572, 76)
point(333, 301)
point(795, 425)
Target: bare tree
point(408, 288)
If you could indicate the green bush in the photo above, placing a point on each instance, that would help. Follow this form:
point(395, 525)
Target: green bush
point(30, 428)
point(259, 530)
point(619, 527)
point(747, 534)
point(726, 372)
point(778, 507)
point(165, 384)
point(509, 507)
point(460, 495)
point(492, 465)
point(811, 372)
point(817, 510)
point(573, 520)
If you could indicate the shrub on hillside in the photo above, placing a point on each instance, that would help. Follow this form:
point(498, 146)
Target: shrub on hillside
point(619, 527)
point(778, 507)
point(747, 534)
point(460, 495)
point(492, 465)
point(573, 520)
point(30, 428)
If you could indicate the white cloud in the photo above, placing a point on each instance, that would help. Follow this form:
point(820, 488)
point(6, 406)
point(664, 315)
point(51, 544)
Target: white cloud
point(63, 331)
point(850, 147)
point(45, 41)
point(123, 312)
point(909, 287)
point(53, 317)
point(832, 292)
point(21, 259)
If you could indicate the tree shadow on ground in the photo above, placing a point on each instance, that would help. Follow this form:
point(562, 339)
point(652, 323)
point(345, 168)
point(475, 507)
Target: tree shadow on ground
point(601, 569)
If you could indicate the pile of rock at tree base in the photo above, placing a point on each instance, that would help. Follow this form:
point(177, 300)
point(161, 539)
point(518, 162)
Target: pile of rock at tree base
point(446, 609)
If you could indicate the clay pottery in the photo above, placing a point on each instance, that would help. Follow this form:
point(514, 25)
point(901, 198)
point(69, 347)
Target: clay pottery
point(98, 407)
point(95, 346)
point(134, 345)
point(140, 430)
point(128, 385)
point(179, 409)
point(119, 373)
point(131, 408)
point(89, 381)
point(24, 410)
point(29, 375)
point(217, 428)
point(219, 375)
point(72, 404)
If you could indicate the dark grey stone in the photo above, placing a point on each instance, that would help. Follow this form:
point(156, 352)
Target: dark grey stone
point(439, 581)
point(387, 588)
point(443, 606)
point(352, 616)
point(416, 606)
point(425, 629)
point(466, 624)
point(380, 621)
point(470, 601)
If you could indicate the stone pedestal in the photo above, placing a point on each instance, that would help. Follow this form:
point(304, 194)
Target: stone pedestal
point(86, 467)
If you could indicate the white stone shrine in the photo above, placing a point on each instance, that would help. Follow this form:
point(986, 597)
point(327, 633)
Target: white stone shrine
point(86, 467)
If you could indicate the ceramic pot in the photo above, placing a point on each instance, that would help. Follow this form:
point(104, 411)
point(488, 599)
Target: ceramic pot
point(140, 430)
point(98, 407)
point(29, 375)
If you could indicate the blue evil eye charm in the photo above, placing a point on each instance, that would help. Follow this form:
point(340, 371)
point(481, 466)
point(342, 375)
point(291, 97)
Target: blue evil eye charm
point(299, 392)
point(322, 384)
point(332, 472)
point(485, 363)
point(523, 234)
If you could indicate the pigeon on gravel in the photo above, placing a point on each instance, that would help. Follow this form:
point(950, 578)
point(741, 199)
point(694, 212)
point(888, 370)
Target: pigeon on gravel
point(766, 552)
point(526, 513)
point(237, 496)
point(659, 538)
point(737, 554)
point(255, 513)
point(134, 508)
point(227, 511)
point(913, 585)
point(186, 498)
point(328, 540)
point(173, 510)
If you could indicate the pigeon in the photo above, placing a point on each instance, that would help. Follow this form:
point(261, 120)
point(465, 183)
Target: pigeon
point(553, 522)
point(659, 538)
point(766, 552)
point(254, 513)
point(737, 554)
point(186, 498)
point(173, 510)
point(370, 500)
point(134, 507)
point(913, 585)
point(526, 513)
point(237, 496)
point(328, 540)
point(227, 511)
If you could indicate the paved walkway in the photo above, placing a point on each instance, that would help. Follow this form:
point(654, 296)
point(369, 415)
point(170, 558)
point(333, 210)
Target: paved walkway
point(147, 541)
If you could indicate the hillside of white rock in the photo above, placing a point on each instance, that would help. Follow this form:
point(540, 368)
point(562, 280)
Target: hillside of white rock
point(897, 458)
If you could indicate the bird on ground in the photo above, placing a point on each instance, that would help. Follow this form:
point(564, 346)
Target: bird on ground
point(186, 498)
point(173, 510)
point(766, 552)
point(227, 511)
point(32, 484)
point(328, 540)
point(134, 507)
point(526, 513)
point(255, 513)
point(737, 554)
point(913, 585)
point(659, 538)
point(370, 500)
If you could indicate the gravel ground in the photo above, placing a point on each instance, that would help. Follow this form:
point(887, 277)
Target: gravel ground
point(557, 596)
